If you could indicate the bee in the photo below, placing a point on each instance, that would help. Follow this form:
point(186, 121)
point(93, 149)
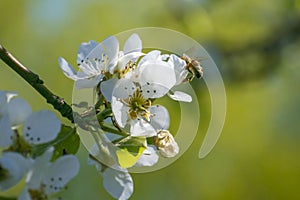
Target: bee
point(193, 66)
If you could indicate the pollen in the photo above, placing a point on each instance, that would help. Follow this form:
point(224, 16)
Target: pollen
point(138, 105)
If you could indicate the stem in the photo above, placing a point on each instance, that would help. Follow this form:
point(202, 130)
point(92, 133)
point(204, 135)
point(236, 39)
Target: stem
point(110, 128)
point(8, 198)
point(33, 79)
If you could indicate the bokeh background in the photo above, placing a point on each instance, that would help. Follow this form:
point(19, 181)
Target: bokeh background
point(256, 45)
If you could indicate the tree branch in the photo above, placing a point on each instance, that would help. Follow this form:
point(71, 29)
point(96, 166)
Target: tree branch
point(33, 79)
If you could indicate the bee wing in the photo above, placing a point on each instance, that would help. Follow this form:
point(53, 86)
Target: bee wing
point(195, 54)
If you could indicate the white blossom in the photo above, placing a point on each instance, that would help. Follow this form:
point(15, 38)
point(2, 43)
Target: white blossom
point(116, 180)
point(93, 60)
point(16, 108)
point(13, 166)
point(46, 178)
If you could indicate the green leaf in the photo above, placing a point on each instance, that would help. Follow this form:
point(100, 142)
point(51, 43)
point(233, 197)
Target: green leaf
point(67, 142)
point(130, 150)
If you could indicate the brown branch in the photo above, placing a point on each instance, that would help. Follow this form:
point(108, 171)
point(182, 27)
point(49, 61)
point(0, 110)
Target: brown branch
point(33, 79)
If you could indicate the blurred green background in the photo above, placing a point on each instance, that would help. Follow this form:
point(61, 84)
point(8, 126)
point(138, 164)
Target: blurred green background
point(256, 45)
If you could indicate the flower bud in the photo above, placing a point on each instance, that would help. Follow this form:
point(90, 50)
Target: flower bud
point(166, 144)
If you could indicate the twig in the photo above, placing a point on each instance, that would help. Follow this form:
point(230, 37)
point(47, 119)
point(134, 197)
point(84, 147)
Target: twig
point(33, 79)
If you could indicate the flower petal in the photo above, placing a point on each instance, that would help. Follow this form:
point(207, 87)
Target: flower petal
point(24, 195)
point(133, 44)
point(41, 127)
point(107, 88)
point(67, 69)
point(148, 158)
point(180, 96)
point(16, 165)
point(118, 184)
point(140, 127)
point(39, 168)
point(120, 112)
point(18, 110)
point(152, 56)
point(6, 133)
point(60, 173)
point(166, 144)
point(88, 83)
point(109, 49)
point(123, 60)
point(153, 90)
point(179, 67)
point(124, 88)
point(159, 72)
point(159, 118)
point(84, 49)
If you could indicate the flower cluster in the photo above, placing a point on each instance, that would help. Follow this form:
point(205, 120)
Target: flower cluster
point(21, 131)
point(127, 83)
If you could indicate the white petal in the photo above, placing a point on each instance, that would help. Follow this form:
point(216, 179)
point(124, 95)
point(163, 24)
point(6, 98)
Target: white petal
point(16, 165)
point(180, 96)
point(179, 67)
point(170, 150)
point(108, 48)
point(67, 69)
point(166, 144)
point(41, 127)
point(148, 158)
point(90, 68)
point(60, 173)
point(24, 195)
point(140, 127)
point(18, 110)
point(6, 133)
point(123, 60)
point(153, 90)
point(118, 184)
point(88, 83)
point(111, 46)
point(178, 63)
point(165, 57)
point(159, 118)
point(10, 95)
point(120, 112)
point(152, 56)
point(124, 88)
point(39, 168)
point(84, 49)
point(160, 73)
point(107, 88)
point(133, 44)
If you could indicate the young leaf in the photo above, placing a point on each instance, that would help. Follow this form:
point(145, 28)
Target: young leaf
point(67, 142)
point(130, 149)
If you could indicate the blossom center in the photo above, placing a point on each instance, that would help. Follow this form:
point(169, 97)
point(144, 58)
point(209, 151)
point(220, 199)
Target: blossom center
point(20, 145)
point(138, 105)
point(4, 174)
point(131, 65)
point(37, 195)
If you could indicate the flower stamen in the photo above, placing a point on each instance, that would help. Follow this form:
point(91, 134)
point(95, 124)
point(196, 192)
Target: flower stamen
point(138, 105)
